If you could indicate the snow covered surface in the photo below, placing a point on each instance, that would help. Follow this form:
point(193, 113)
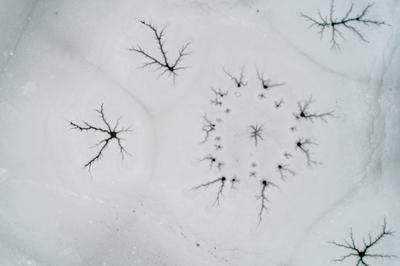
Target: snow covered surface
point(61, 59)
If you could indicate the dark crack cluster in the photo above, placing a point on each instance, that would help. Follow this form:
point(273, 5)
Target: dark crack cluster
point(219, 137)
point(216, 133)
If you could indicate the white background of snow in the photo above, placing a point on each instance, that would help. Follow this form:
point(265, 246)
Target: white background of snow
point(61, 59)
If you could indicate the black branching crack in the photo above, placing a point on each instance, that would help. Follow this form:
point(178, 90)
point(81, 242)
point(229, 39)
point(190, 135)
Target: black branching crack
point(304, 113)
point(239, 81)
point(212, 161)
point(266, 83)
point(304, 146)
point(164, 64)
point(284, 170)
point(219, 93)
point(362, 253)
point(350, 21)
point(263, 198)
point(256, 133)
point(112, 134)
point(221, 181)
point(234, 180)
point(208, 128)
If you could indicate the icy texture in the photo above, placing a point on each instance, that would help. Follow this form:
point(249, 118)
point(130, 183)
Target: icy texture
point(61, 59)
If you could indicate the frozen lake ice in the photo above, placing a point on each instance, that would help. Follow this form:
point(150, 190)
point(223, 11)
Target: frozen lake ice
point(269, 146)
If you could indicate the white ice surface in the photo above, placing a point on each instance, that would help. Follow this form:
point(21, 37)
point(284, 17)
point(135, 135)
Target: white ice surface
point(61, 59)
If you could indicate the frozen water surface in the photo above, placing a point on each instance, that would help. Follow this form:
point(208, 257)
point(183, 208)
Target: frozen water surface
point(60, 60)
